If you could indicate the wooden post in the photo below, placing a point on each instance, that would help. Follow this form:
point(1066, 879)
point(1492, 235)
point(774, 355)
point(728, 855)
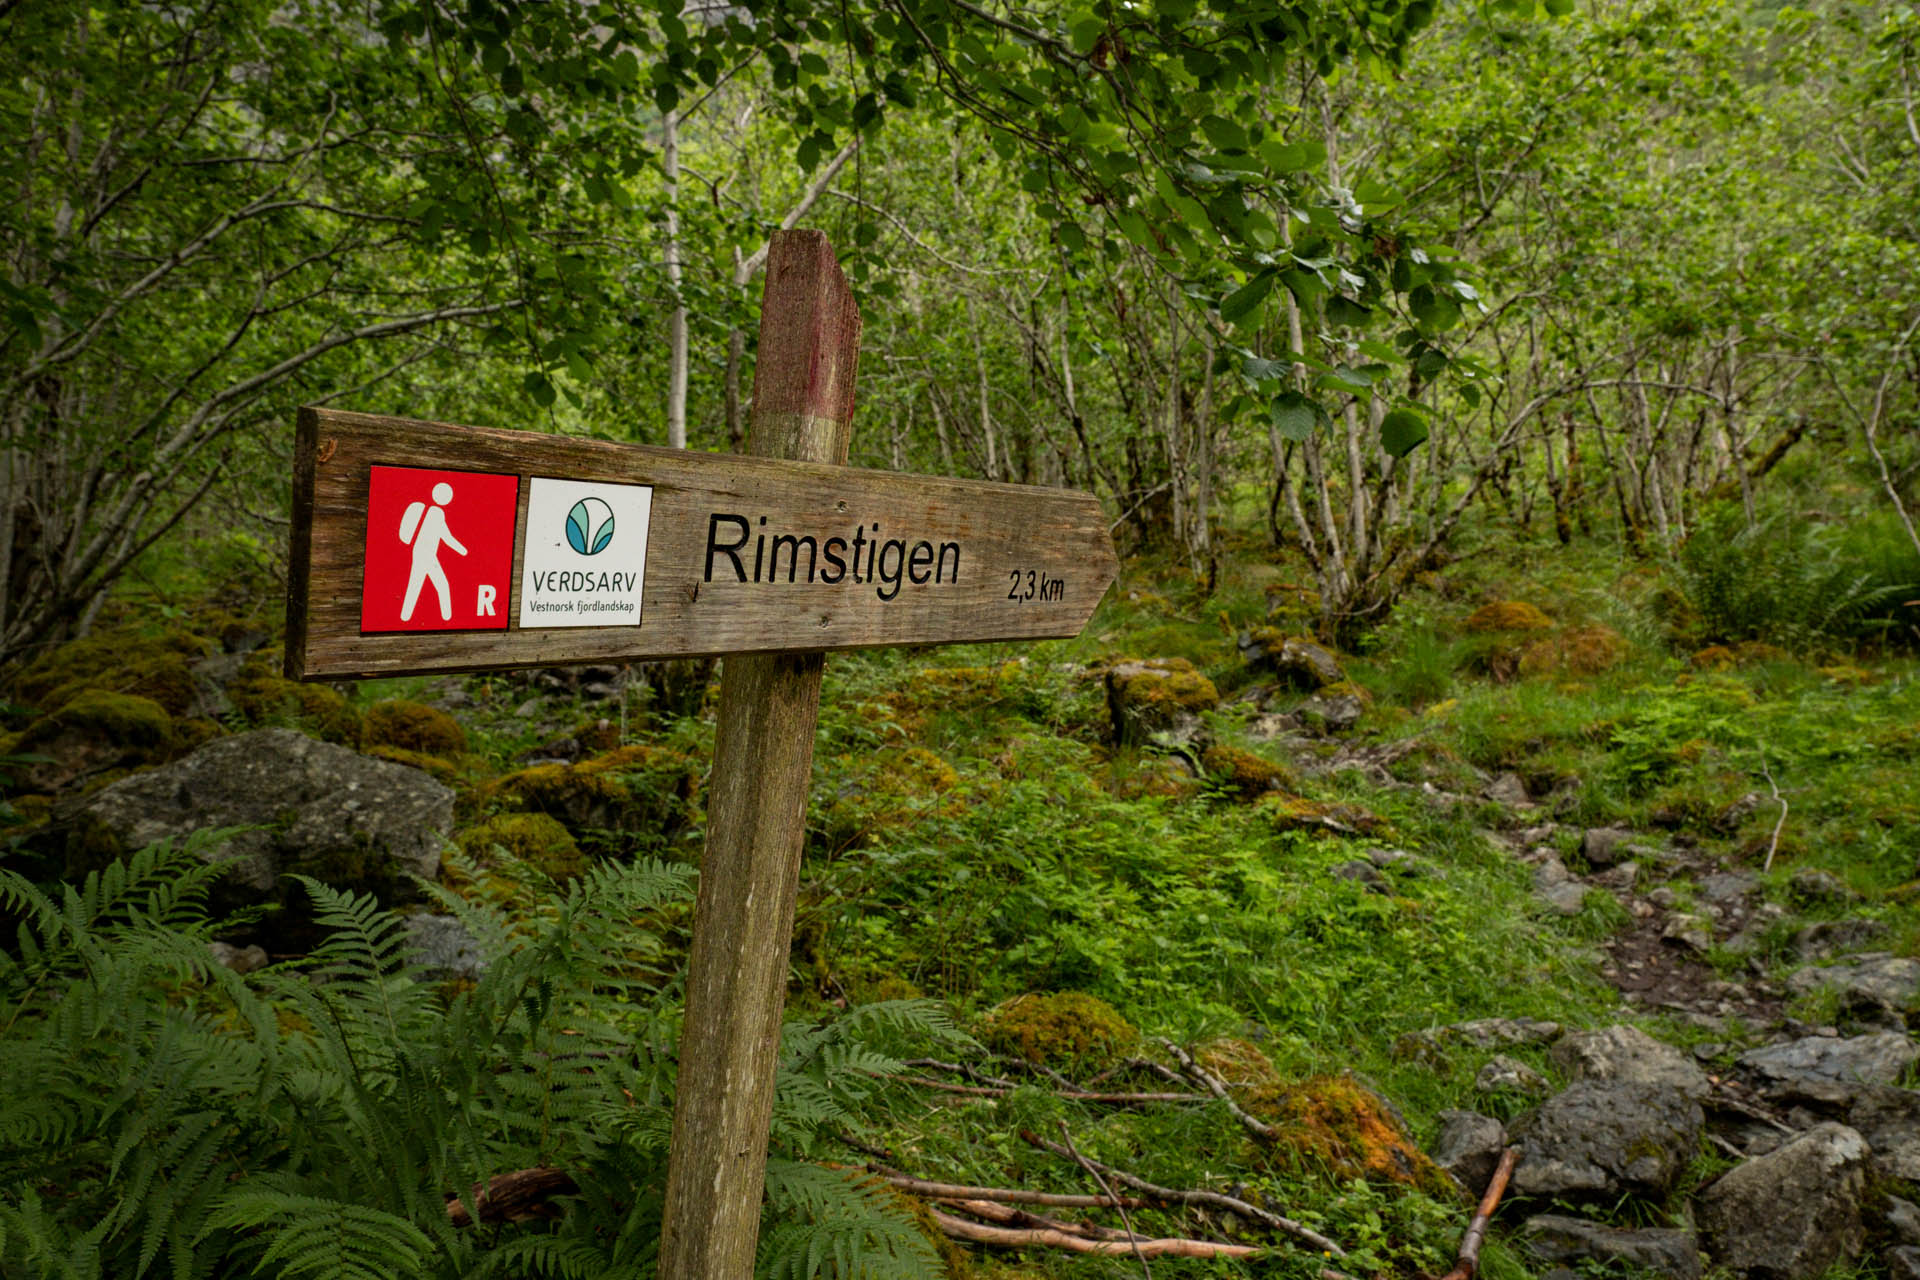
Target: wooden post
point(763, 761)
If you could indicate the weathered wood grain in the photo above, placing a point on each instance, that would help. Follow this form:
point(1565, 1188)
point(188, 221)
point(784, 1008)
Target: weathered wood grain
point(757, 802)
point(1058, 536)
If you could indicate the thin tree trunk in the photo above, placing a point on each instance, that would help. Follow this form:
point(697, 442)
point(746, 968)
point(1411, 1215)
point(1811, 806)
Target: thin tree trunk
point(677, 318)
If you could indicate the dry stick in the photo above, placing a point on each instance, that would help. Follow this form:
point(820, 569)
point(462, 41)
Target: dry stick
point(1477, 1230)
point(1217, 1087)
point(1006, 1215)
point(1006, 1195)
point(1067, 1138)
point(1168, 1195)
point(517, 1196)
point(1773, 845)
point(960, 1229)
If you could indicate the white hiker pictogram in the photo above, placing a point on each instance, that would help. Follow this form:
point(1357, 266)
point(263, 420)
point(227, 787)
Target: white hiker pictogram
point(425, 529)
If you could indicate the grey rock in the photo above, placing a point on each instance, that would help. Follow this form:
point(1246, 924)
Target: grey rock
point(1726, 887)
point(1751, 934)
point(1669, 1253)
point(1469, 1146)
point(1363, 871)
point(1601, 1139)
point(1630, 1055)
point(1812, 885)
point(1491, 1033)
point(443, 949)
point(1335, 714)
point(1903, 1263)
point(1509, 790)
point(1301, 663)
point(1873, 980)
point(1792, 1213)
point(1889, 1119)
point(211, 676)
point(1557, 887)
point(1502, 1074)
point(313, 808)
point(1619, 879)
point(1820, 940)
point(238, 959)
point(1689, 933)
point(1827, 1069)
point(1903, 1219)
point(1604, 847)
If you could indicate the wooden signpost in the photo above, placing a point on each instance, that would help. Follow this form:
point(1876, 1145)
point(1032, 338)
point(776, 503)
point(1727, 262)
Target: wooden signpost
point(420, 547)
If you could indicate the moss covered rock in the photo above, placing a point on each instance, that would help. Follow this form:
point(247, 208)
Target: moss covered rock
point(1508, 615)
point(1298, 661)
point(1244, 773)
point(1585, 651)
point(642, 790)
point(156, 667)
point(1157, 699)
point(93, 731)
point(532, 838)
point(414, 726)
point(1336, 1123)
point(1066, 1028)
point(268, 701)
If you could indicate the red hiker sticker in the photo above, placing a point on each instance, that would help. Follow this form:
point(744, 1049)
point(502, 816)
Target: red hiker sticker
point(439, 550)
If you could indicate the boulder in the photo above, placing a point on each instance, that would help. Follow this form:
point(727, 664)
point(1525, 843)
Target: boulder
point(1873, 981)
point(93, 731)
point(1903, 1219)
point(1889, 1119)
point(1469, 1146)
point(1792, 1213)
point(443, 950)
point(239, 959)
point(1157, 700)
point(1903, 1263)
point(1669, 1253)
point(1296, 660)
point(1558, 887)
point(1331, 712)
point(1827, 1069)
point(313, 808)
point(1508, 789)
point(1629, 1055)
point(1478, 1033)
point(1603, 1139)
point(1510, 1075)
point(1815, 887)
point(1604, 847)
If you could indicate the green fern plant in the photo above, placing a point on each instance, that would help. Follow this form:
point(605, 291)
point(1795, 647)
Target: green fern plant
point(160, 1115)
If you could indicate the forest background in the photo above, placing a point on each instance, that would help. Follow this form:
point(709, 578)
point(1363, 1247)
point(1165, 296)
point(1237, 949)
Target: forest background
point(1348, 309)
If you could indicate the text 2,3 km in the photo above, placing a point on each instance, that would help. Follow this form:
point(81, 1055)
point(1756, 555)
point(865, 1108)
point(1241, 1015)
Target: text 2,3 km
point(1032, 586)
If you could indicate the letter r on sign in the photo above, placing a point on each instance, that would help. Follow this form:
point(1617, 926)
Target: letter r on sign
point(483, 605)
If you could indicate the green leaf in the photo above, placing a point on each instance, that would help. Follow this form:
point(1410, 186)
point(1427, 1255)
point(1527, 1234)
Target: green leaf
point(1242, 302)
point(1402, 431)
point(1559, 8)
point(540, 387)
point(1295, 416)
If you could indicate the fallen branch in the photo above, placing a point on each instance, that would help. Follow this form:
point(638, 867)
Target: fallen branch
point(1773, 845)
point(1469, 1256)
point(1018, 1238)
point(518, 1196)
point(1005, 1195)
point(1006, 1215)
point(1125, 1221)
point(1218, 1088)
point(1169, 1195)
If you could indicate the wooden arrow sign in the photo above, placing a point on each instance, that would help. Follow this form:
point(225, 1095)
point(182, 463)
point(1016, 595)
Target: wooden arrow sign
point(422, 547)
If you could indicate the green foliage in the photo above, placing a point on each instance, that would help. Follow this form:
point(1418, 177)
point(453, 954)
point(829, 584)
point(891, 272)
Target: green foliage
point(160, 1114)
point(1793, 583)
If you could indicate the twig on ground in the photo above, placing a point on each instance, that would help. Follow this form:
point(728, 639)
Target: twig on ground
point(1006, 1215)
point(1004, 1195)
point(960, 1229)
point(1169, 1195)
point(1773, 845)
point(1066, 1139)
point(1218, 1088)
point(1469, 1256)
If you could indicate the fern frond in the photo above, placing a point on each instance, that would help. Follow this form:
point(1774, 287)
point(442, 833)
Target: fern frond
point(322, 1238)
point(839, 1223)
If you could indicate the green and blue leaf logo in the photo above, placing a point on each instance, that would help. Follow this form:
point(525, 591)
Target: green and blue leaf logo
point(590, 526)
